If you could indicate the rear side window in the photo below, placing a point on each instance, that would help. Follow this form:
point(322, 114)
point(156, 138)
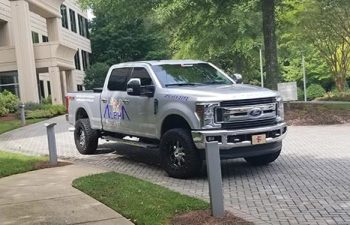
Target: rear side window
point(117, 80)
point(140, 72)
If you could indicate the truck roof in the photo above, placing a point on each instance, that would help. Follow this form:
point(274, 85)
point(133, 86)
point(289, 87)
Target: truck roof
point(162, 62)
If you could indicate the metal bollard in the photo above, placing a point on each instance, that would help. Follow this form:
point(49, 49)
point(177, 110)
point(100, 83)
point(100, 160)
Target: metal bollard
point(23, 115)
point(51, 139)
point(212, 153)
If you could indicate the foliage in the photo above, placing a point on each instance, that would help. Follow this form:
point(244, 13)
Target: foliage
point(141, 201)
point(95, 75)
point(47, 100)
point(12, 163)
point(315, 91)
point(45, 111)
point(8, 103)
point(336, 96)
point(230, 33)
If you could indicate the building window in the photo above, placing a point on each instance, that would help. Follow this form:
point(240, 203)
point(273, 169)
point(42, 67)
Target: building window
point(35, 37)
point(83, 26)
point(77, 61)
point(73, 22)
point(45, 38)
point(9, 82)
point(87, 33)
point(49, 88)
point(85, 57)
point(64, 16)
point(79, 87)
point(42, 89)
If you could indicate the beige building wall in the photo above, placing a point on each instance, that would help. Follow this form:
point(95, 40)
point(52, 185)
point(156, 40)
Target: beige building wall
point(51, 62)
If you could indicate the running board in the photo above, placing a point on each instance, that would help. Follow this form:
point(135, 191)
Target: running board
point(131, 141)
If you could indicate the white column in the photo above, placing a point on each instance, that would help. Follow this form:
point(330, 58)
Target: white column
point(55, 80)
point(24, 51)
point(63, 84)
point(54, 26)
point(71, 84)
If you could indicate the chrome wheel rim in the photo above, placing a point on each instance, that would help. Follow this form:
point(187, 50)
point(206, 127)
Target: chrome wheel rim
point(82, 138)
point(177, 154)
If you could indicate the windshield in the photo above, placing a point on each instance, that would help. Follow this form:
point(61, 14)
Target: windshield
point(189, 75)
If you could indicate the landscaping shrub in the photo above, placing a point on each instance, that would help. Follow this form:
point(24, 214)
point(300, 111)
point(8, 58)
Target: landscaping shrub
point(44, 111)
point(47, 100)
point(8, 103)
point(336, 96)
point(315, 91)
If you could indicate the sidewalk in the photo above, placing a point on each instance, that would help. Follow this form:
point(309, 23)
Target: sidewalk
point(47, 197)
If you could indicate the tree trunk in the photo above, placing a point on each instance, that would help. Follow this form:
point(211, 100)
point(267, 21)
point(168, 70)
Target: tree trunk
point(270, 41)
point(340, 81)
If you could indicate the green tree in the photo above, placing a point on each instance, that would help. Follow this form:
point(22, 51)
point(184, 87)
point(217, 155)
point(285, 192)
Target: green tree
point(95, 75)
point(270, 42)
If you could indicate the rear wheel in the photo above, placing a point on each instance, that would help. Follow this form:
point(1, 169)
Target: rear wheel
point(179, 157)
point(86, 139)
point(263, 159)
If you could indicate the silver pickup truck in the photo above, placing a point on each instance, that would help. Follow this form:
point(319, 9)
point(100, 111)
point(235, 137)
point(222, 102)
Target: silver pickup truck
point(178, 106)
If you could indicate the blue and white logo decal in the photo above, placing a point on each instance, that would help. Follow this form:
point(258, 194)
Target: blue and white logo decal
point(115, 110)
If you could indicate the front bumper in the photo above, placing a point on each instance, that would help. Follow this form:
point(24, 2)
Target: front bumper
point(229, 139)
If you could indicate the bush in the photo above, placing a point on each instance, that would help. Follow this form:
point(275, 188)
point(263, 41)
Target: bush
point(9, 101)
point(47, 100)
point(45, 111)
point(300, 94)
point(315, 91)
point(336, 96)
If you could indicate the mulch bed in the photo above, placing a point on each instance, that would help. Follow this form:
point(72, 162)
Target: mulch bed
point(314, 114)
point(9, 117)
point(203, 217)
point(45, 165)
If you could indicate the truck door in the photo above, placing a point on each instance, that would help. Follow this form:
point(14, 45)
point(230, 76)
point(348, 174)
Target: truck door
point(141, 108)
point(113, 112)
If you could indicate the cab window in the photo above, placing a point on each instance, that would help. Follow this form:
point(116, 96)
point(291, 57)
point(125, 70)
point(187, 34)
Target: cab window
point(118, 78)
point(140, 72)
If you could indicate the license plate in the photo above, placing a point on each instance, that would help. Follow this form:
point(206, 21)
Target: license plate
point(259, 139)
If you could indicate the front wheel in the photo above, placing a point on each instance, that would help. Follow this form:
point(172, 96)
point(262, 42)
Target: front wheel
point(263, 159)
point(179, 157)
point(86, 139)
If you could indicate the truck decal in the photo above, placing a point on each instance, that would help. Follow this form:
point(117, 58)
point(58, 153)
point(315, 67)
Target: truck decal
point(115, 110)
point(177, 97)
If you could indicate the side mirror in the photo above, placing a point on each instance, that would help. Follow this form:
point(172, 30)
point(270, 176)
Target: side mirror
point(237, 78)
point(133, 87)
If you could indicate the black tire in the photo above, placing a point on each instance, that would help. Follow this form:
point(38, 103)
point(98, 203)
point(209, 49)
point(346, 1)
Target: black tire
point(86, 144)
point(263, 159)
point(179, 156)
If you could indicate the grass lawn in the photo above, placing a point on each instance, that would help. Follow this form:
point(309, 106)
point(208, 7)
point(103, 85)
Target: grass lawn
point(14, 124)
point(12, 163)
point(141, 201)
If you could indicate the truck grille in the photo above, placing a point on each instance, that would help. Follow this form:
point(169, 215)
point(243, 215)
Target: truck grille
point(257, 101)
point(250, 124)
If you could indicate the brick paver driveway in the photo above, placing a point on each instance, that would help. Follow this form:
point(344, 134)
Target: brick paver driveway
point(308, 184)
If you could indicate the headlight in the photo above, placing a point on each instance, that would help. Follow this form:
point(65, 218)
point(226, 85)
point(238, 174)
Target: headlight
point(280, 109)
point(205, 113)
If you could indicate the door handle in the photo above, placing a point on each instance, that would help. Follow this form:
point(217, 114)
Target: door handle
point(125, 101)
point(104, 100)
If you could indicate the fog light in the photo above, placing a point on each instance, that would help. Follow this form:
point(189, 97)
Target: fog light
point(214, 138)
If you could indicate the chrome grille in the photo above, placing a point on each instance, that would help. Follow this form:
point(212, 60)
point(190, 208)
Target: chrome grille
point(247, 113)
point(249, 124)
point(243, 102)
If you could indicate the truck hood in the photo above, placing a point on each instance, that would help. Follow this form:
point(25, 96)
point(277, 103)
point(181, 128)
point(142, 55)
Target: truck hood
point(222, 92)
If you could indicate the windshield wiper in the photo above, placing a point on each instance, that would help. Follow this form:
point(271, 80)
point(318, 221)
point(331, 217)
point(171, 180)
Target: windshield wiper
point(215, 82)
point(182, 84)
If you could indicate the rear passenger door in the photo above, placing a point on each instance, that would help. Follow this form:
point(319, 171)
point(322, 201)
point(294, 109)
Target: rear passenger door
point(113, 112)
point(141, 108)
